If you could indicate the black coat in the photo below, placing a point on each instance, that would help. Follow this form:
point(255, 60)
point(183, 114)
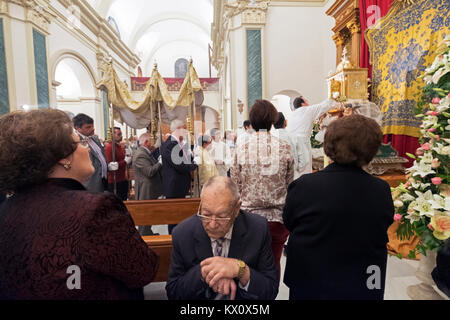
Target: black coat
point(338, 219)
point(176, 170)
point(441, 274)
point(250, 242)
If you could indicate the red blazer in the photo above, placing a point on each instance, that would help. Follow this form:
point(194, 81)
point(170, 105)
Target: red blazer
point(47, 228)
point(121, 174)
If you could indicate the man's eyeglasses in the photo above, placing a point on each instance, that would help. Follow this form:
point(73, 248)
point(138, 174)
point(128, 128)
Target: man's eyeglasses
point(209, 218)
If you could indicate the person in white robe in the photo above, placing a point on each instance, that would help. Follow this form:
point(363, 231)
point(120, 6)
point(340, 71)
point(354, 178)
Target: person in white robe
point(281, 133)
point(301, 128)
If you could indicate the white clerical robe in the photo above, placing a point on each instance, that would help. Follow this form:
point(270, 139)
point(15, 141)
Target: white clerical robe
point(300, 127)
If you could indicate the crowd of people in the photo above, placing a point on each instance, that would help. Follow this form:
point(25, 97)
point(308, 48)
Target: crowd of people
point(64, 208)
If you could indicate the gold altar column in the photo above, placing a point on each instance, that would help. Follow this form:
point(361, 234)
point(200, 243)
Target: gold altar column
point(355, 29)
point(339, 41)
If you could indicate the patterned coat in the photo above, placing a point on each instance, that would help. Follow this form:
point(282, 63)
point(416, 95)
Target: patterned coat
point(46, 229)
point(263, 170)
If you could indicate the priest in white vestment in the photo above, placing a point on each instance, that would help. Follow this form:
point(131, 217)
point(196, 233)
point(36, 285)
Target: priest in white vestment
point(301, 127)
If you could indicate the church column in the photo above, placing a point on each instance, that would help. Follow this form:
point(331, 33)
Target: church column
point(355, 29)
point(27, 56)
point(245, 29)
point(339, 41)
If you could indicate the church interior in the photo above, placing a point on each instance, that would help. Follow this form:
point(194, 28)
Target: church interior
point(138, 65)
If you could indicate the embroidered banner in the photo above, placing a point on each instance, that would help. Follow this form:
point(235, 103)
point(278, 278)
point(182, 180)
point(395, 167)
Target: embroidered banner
point(402, 45)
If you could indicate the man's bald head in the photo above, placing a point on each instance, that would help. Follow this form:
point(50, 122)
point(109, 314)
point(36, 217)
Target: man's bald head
point(220, 199)
point(221, 186)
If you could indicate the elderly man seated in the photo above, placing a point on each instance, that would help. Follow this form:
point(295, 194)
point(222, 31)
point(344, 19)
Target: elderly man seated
point(222, 252)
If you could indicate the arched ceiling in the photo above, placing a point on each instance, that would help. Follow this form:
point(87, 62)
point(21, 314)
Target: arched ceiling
point(146, 26)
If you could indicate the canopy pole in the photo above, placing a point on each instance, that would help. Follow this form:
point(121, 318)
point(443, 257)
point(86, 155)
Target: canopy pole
point(160, 127)
point(113, 148)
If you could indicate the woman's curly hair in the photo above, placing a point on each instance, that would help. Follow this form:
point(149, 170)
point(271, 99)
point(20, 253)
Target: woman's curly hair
point(353, 140)
point(31, 144)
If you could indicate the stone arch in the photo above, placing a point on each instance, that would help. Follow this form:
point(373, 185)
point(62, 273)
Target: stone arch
point(63, 54)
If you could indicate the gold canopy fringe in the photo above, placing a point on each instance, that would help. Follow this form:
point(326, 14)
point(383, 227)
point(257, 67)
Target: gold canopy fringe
point(155, 90)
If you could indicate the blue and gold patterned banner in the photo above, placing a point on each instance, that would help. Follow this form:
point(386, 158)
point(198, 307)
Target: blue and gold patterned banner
point(402, 45)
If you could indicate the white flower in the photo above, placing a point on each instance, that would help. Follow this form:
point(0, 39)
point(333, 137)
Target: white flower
point(422, 169)
point(398, 203)
point(413, 217)
point(423, 205)
point(448, 127)
point(437, 75)
point(427, 157)
point(430, 121)
point(440, 149)
point(418, 184)
point(437, 202)
point(406, 197)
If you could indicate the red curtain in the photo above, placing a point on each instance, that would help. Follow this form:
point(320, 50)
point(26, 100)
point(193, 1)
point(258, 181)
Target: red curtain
point(370, 11)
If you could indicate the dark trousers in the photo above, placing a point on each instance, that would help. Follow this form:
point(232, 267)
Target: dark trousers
point(122, 189)
point(279, 235)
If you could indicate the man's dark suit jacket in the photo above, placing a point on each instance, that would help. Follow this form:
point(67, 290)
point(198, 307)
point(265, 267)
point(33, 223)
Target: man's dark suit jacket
point(338, 219)
point(176, 170)
point(48, 228)
point(251, 243)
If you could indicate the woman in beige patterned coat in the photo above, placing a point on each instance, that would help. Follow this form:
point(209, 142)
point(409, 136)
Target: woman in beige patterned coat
point(263, 170)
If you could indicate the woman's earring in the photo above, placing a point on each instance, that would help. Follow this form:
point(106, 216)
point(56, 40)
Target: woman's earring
point(67, 166)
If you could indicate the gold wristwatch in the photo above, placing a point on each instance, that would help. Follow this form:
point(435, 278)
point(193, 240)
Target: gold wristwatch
point(242, 267)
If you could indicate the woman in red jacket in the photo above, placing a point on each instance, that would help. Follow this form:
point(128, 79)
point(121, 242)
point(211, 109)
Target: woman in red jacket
point(57, 240)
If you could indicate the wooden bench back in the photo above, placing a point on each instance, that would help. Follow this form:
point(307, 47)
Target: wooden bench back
point(160, 212)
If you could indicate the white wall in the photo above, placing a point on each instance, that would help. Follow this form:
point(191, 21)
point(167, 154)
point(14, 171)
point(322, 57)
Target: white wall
point(299, 51)
point(167, 55)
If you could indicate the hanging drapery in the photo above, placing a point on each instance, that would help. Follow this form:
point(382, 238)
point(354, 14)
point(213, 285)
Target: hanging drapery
point(369, 12)
point(139, 115)
point(402, 45)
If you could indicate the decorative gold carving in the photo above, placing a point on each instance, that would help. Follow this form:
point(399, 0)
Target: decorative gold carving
point(338, 39)
point(335, 89)
point(354, 26)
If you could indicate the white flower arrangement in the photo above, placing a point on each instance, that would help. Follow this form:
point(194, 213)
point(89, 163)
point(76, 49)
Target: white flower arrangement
point(422, 204)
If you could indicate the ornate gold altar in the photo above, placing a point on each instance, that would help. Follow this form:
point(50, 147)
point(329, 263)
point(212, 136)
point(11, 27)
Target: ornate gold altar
point(348, 82)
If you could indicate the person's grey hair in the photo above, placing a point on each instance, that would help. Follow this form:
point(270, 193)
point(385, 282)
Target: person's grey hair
point(224, 182)
point(175, 124)
point(144, 137)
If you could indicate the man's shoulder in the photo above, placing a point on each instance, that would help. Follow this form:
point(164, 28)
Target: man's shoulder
point(186, 226)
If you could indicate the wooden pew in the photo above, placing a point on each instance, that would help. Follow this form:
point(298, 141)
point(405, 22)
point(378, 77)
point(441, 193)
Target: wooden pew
point(161, 212)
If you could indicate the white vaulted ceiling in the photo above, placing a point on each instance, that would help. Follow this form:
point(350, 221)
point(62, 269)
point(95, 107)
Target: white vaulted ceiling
point(155, 29)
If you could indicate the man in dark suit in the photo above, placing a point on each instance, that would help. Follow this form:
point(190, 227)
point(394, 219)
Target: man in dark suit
point(147, 176)
point(177, 164)
point(222, 252)
point(84, 125)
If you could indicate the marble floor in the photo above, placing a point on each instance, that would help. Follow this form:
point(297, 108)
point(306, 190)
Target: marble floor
point(400, 275)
